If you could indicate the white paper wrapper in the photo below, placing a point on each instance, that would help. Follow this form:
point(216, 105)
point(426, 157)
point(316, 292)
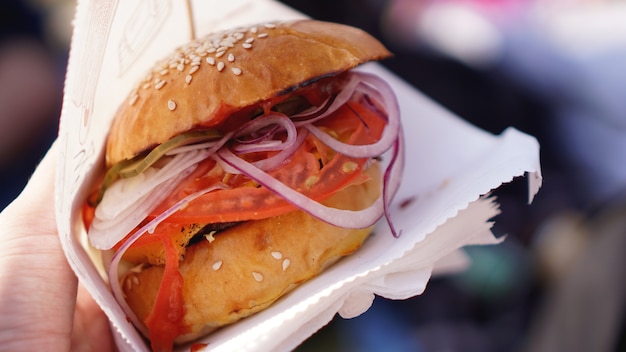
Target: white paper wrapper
point(450, 166)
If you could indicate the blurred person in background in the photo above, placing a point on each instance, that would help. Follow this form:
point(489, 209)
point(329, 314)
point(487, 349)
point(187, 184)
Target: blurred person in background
point(31, 84)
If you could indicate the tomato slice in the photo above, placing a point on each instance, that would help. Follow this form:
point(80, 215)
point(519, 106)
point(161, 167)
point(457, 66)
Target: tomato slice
point(88, 214)
point(166, 322)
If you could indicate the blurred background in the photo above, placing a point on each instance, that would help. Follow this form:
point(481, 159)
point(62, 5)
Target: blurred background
point(555, 69)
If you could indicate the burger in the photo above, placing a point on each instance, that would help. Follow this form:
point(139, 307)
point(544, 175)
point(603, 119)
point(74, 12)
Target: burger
point(245, 163)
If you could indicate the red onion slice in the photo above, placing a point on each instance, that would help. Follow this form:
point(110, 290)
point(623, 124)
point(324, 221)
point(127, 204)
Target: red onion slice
point(392, 179)
point(270, 163)
point(104, 235)
point(338, 217)
point(120, 211)
point(339, 100)
point(274, 119)
point(390, 133)
point(276, 160)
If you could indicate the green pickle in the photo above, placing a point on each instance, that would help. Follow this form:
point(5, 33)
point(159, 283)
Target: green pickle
point(137, 165)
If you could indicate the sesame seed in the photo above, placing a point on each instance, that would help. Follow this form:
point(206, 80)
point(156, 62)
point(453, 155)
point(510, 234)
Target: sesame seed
point(136, 269)
point(129, 284)
point(257, 276)
point(133, 99)
point(171, 105)
point(286, 263)
point(159, 84)
point(349, 167)
point(277, 255)
point(189, 57)
point(226, 42)
point(209, 236)
point(311, 181)
point(217, 265)
point(135, 280)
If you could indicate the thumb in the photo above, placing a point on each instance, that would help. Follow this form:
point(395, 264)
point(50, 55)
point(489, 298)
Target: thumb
point(34, 206)
point(37, 286)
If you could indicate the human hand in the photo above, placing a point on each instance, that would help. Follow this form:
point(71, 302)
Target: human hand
point(41, 304)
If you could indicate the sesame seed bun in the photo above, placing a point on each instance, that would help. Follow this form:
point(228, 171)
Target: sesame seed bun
point(202, 83)
point(248, 267)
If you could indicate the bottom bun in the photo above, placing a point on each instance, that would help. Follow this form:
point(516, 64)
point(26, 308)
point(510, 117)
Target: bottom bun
point(248, 267)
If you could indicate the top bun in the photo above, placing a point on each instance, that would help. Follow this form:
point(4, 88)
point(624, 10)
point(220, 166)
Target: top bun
point(206, 80)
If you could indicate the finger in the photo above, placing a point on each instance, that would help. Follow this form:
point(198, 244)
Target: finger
point(36, 201)
point(91, 326)
point(37, 286)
